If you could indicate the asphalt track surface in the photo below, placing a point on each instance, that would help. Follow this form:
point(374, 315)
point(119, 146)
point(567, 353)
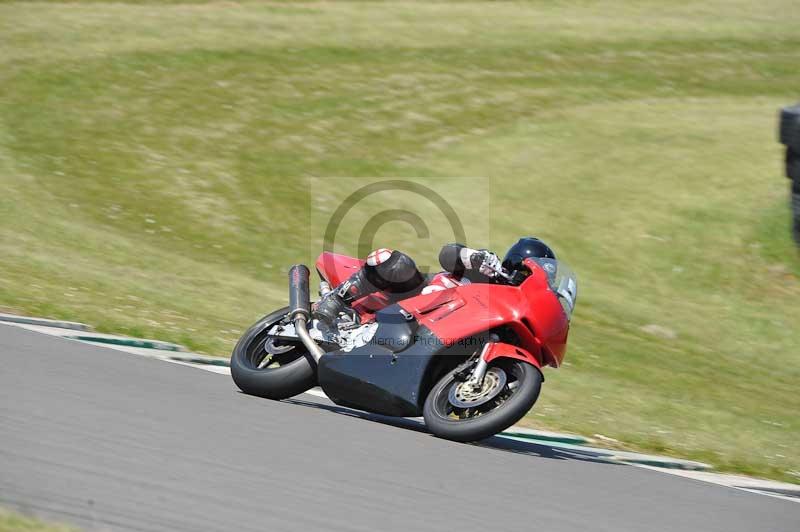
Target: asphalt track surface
point(109, 441)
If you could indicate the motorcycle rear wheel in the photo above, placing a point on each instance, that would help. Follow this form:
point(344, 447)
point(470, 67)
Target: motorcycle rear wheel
point(283, 375)
point(520, 392)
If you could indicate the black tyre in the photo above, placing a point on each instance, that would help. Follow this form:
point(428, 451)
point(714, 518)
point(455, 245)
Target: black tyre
point(793, 165)
point(280, 376)
point(789, 129)
point(796, 210)
point(448, 416)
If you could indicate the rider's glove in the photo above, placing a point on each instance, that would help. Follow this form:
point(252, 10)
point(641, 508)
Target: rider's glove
point(486, 263)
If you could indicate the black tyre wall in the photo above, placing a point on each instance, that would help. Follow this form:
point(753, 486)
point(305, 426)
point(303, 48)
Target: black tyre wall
point(796, 210)
point(793, 173)
point(789, 134)
point(793, 165)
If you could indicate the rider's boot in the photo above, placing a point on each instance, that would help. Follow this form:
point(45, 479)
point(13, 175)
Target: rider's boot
point(328, 308)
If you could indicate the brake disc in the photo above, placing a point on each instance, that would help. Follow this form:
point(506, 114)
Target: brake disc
point(463, 395)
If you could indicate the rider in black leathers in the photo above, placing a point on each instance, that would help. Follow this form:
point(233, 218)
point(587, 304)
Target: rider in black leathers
point(395, 272)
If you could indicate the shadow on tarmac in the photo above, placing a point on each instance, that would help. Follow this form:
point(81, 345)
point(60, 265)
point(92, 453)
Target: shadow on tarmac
point(518, 446)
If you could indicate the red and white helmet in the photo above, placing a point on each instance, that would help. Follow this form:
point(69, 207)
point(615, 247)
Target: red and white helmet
point(378, 256)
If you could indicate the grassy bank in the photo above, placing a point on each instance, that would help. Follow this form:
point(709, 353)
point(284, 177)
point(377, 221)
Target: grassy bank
point(155, 161)
point(13, 522)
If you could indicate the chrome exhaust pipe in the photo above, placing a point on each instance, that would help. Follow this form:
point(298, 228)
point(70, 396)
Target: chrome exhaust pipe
point(302, 331)
point(300, 308)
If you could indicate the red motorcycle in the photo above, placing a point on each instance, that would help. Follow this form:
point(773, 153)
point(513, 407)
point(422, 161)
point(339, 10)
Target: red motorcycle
point(467, 358)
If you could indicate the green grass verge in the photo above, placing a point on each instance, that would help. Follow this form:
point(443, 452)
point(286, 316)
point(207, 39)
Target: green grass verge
point(155, 161)
point(14, 522)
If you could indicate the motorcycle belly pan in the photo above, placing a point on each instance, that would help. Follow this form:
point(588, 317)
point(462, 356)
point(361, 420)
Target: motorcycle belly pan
point(374, 379)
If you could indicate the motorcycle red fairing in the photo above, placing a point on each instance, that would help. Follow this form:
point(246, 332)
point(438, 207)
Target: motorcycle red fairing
point(419, 339)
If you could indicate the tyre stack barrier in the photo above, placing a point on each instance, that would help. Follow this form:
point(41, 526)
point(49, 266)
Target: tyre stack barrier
point(789, 136)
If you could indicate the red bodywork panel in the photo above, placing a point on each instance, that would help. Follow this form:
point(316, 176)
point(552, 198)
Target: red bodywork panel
point(500, 350)
point(337, 268)
point(531, 310)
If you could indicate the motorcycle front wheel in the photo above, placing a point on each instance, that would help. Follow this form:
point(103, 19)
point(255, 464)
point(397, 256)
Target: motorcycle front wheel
point(455, 411)
point(266, 368)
